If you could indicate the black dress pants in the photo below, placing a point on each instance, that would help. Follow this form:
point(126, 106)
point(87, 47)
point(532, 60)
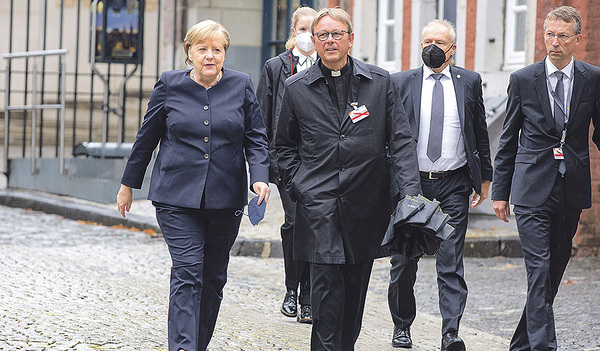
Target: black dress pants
point(453, 193)
point(199, 242)
point(338, 300)
point(546, 234)
point(296, 272)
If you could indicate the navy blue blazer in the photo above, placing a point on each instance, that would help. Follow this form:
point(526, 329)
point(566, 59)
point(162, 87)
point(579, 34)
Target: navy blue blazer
point(471, 113)
point(525, 164)
point(206, 137)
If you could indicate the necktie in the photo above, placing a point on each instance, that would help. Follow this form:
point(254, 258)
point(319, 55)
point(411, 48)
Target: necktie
point(559, 102)
point(434, 145)
point(559, 111)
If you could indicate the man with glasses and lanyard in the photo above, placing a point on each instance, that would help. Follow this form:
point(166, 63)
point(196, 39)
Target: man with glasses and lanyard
point(339, 122)
point(543, 164)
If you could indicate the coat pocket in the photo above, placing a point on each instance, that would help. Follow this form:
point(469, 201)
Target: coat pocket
point(296, 183)
point(526, 158)
point(583, 162)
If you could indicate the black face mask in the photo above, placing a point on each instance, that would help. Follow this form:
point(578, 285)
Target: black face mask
point(433, 56)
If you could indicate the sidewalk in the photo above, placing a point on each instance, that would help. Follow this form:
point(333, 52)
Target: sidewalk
point(487, 236)
point(72, 286)
point(121, 279)
point(253, 331)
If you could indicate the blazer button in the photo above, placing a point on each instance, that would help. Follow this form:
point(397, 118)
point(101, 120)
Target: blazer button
point(206, 156)
point(342, 137)
point(206, 108)
point(206, 139)
point(341, 197)
point(206, 122)
point(344, 168)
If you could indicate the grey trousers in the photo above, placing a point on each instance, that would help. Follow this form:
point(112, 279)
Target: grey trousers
point(546, 234)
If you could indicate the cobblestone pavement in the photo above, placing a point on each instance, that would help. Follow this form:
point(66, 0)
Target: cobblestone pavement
point(66, 285)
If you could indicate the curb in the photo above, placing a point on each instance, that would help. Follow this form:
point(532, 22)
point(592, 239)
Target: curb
point(492, 247)
point(74, 210)
point(474, 247)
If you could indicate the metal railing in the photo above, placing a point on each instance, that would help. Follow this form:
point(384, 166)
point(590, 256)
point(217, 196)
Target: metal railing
point(109, 89)
point(34, 107)
point(33, 25)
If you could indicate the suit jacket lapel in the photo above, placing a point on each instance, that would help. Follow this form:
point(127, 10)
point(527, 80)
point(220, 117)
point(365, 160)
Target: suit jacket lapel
point(459, 90)
point(579, 81)
point(541, 89)
point(417, 87)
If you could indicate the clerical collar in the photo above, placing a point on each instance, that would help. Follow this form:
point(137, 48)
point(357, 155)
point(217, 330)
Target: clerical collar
point(329, 73)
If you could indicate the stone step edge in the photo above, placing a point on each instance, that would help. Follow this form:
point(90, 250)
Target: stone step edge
point(474, 247)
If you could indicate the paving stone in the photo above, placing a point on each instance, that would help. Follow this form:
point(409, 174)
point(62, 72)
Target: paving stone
point(67, 285)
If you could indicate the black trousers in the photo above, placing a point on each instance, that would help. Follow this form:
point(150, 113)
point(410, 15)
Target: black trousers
point(453, 193)
point(338, 301)
point(296, 272)
point(199, 242)
point(546, 234)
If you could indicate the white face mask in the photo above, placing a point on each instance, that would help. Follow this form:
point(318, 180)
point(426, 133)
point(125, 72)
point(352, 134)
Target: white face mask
point(304, 43)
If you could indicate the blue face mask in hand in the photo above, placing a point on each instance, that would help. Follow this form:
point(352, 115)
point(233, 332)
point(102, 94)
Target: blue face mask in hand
point(256, 212)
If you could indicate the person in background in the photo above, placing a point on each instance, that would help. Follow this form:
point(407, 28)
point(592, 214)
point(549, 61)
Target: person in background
point(300, 55)
point(445, 108)
point(339, 122)
point(209, 125)
point(543, 164)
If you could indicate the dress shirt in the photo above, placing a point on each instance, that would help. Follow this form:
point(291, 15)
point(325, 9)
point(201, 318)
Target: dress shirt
point(567, 83)
point(304, 62)
point(453, 148)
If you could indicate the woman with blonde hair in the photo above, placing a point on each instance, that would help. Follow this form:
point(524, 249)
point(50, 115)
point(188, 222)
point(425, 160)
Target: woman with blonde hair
point(299, 55)
point(209, 125)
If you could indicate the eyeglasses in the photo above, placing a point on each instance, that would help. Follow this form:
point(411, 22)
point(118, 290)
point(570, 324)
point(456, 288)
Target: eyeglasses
point(336, 34)
point(561, 37)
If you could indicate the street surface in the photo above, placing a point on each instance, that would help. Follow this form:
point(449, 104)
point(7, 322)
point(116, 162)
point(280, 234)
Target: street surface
point(66, 285)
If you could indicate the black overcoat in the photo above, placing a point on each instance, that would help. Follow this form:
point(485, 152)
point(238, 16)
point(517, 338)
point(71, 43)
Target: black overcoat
point(269, 93)
point(338, 171)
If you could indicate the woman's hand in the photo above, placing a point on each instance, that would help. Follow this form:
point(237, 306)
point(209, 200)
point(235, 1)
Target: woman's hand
point(262, 190)
point(124, 199)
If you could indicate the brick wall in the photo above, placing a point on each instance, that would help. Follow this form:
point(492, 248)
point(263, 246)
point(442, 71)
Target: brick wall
point(587, 239)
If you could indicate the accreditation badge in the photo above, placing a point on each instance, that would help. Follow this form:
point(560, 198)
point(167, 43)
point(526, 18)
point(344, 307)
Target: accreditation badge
point(558, 153)
point(359, 113)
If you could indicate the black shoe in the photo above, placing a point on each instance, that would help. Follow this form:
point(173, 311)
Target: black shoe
point(402, 338)
point(289, 306)
point(452, 342)
point(305, 315)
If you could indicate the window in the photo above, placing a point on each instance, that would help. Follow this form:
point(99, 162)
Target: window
point(514, 43)
point(277, 20)
point(447, 10)
point(386, 43)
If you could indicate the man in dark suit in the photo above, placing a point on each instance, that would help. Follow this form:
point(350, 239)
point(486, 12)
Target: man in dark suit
point(543, 164)
point(445, 109)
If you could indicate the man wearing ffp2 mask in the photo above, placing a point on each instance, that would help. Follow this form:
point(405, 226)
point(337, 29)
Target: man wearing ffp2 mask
point(445, 108)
